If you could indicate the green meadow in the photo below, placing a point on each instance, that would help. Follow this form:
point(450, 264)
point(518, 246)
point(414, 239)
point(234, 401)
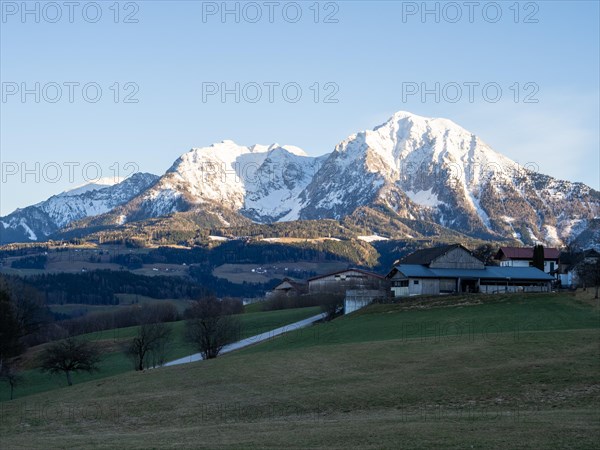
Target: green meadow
point(514, 371)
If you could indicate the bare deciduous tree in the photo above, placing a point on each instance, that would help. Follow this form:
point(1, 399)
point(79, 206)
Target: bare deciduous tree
point(28, 305)
point(70, 355)
point(209, 328)
point(331, 303)
point(150, 341)
point(11, 376)
point(589, 273)
point(10, 333)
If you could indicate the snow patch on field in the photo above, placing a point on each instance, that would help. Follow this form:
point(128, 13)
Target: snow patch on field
point(287, 239)
point(372, 238)
point(218, 238)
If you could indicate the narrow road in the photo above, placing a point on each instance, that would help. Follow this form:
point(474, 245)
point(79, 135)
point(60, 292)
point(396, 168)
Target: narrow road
point(252, 340)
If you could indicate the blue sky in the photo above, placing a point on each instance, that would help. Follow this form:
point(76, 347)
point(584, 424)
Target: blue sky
point(371, 57)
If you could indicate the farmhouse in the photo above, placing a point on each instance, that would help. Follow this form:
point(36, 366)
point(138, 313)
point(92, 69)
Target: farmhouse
point(454, 269)
point(523, 257)
point(346, 279)
point(288, 288)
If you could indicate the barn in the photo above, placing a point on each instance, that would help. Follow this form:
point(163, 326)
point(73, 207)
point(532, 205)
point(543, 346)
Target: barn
point(454, 269)
point(346, 279)
point(288, 288)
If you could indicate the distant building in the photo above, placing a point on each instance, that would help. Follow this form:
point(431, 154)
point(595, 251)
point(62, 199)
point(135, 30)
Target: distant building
point(523, 257)
point(289, 288)
point(359, 287)
point(453, 256)
point(454, 269)
point(359, 298)
point(343, 280)
point(572, 263)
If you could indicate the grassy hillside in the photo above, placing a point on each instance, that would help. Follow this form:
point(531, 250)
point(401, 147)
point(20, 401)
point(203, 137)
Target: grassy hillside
point(443, 320)
point(79, 309)
point(115, 362)
point(390, 376)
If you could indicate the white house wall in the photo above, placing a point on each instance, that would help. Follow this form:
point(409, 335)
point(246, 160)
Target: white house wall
point(548, 265)
point(359, 298)
point(354, 305)
point(399, 291)
point(501, 289)
point(515, 263)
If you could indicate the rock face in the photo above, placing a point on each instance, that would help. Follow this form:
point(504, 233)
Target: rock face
point(263, 183)
point(417, 169)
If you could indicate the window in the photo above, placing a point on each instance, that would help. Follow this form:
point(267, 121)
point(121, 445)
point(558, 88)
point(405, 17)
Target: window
point(416, 282)
point(551, 266)
point(401, 283)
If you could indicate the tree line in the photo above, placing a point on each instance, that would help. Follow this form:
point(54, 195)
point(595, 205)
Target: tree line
point(99, 287)
point(24, 321)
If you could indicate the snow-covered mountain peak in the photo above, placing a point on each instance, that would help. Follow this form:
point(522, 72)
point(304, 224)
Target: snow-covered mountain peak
point(420, 122)
point(94, 185)
point(294, 150)
point(258, 179)
point(228, 155)
point(223, 148)
point(409, 139)
point(422, 170)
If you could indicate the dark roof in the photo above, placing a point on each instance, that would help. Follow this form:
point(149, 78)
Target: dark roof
point(525, 253)
point(299, 286)
point(487, 273)
point(371, 274)
point(427, 255)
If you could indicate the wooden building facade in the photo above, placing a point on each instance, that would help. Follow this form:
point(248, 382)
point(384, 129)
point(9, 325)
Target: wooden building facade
point(454, 269)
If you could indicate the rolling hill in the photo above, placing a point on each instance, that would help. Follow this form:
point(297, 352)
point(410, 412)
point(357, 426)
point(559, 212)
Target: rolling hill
point(516, 371)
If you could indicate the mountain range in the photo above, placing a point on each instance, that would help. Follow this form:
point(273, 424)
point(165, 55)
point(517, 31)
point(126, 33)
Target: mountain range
point(414, 170)
point(38, 222)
